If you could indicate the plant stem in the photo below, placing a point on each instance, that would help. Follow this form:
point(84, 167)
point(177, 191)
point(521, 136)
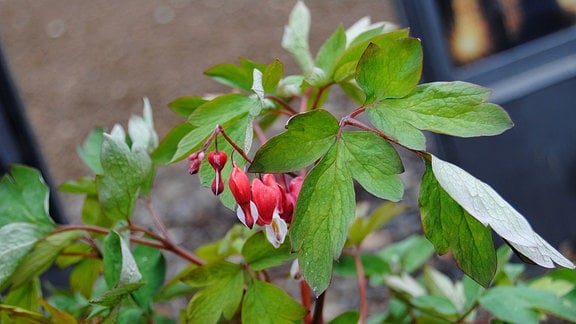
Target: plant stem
point(306, 294)
point(236, 147)
point(361, 286)
point(156, 218)
point(282, 103)
point(318, 309)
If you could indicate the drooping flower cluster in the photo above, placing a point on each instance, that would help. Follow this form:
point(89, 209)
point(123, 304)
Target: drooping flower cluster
point(265, 202)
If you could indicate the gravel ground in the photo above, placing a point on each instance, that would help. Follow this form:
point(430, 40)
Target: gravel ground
point(82, 64)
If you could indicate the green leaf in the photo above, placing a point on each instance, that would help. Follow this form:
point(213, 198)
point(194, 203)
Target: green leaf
point(113, 297)
point(436, 305)
point(166, 150)
point(439, 284)
point(84, 185)
point(329, 53)
point(89, 152)
point(346, 66)
point(398, 129)
point(16, 240)
point(407, 255)
point(24, 198)
point(347, 317)
point(83, 276)
point(524, 305)
point(125, 172)
point(260, 254)
point(295, 38)
point(222, 296)
point(453, 108)
point(352, 90)
point(324, 212)
point(266, 303)
point(19, 315)
point(392, 71)
point(374, 163)
point(141, 129)
point(449, 227)
point(119, 264)
point(309, 135)
point(483, 203)
point(184, 106)
point(93, 214)
point(362, 226)
point(272, 75)
point(43, 255)
point(152, 266)
point(231, 75)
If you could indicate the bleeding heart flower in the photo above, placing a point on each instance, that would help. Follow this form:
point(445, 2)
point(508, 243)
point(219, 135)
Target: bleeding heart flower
point(217, 159)
point(240, 187)
point(217, 184)
point(267, 197)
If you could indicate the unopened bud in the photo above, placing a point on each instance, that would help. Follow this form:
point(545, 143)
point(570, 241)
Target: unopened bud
point(217, 184)
point(217, 159)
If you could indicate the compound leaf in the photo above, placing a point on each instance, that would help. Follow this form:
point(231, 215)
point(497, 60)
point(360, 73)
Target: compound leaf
point(266, 303)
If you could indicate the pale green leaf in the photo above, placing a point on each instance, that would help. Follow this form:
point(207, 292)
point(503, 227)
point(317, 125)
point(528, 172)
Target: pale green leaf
point(43, 255)
point(324, 212)
point(126, 171)
point(362, 226)
point(184, 106)
point(525, 305)
point(16, 240)
point(260, 254)
point(266, 303)
point(295, 38)
point(329, 53)
point(141, 129)
point(488, 207)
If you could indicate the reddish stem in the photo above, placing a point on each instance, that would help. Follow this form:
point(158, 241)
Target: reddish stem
point(361, 286)
point(236, 147)
point(282, 103)
point(306, 294)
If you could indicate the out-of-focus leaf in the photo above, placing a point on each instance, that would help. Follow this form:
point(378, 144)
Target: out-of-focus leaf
point(266, 303)
point(17, 240)
point(184, 106)
point(152, 266)
point(295, 38)
point(166, 150)
point(141, 129)
point(260, 254)
point(89, 152)
point(362, 226)
point(126, 171)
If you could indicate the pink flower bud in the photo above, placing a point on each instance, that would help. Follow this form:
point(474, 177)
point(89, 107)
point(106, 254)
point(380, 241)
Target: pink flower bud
point(240, 187)
point(194, 166)
point(217, 184)
point(217, 159)
point(266, 195)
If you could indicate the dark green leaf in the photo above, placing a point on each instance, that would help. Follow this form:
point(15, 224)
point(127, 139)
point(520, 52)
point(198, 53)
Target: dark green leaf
point(308, 136)
point(362, 226)
point(392, 71)
point(119, 265)
point(125, 172)
point(524, 305)
point(114, 296)
point(346, 66)
point(324, 212)
point(42, 256)
point(330, 52)
point(449, 227)
point(152, 265)
point(374, 163)
point(453, 108)
point(260, 254)
point(184, 106)
point(24, 198)
point(89, 152)
point(266, 303)
point(222, 296)
point(16, 240)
